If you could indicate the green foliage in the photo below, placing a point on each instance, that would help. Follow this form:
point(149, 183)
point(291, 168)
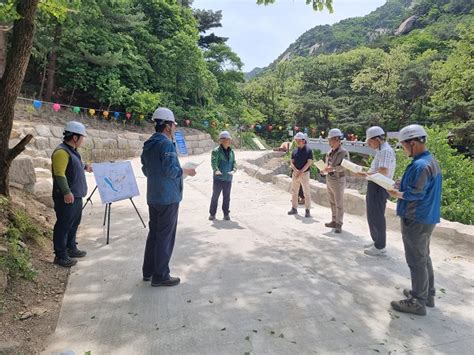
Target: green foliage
point(20, 228)
point(8, 12)
point(453, 97)
point(17, 261)
point(144, 102)
point(458, 176)
point(24, 225)
point(115, 55)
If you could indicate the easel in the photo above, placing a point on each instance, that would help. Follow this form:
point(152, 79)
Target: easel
point(108, 208)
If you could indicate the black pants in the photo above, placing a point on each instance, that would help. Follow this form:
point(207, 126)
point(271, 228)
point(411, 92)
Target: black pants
point(376, 201)
point(68, 218)
point(217, 187)
point(416, 240)
point(160, 241)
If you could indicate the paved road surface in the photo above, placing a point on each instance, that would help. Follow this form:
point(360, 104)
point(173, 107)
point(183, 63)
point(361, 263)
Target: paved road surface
point(263, 283)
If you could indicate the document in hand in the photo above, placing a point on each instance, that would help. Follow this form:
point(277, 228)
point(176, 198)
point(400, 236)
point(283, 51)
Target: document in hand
point(346, 164)
point(320, 165)
point(190, 165)
point(382, 180)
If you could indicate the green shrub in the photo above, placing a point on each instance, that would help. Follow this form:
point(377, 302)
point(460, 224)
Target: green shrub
point(458, 176)
point(17, 261)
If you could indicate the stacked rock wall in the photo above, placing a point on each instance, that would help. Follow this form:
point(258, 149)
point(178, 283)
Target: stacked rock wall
point(31, 170)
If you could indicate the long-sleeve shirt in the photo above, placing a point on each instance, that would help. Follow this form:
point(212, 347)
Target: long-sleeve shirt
point(421, 186)
point(334, 159)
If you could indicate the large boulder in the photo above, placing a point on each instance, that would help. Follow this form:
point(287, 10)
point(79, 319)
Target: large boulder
point(406, 26)
point(43, 191)
point(22, 171)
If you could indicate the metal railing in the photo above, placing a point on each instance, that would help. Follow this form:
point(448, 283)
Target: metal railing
point(322, 144)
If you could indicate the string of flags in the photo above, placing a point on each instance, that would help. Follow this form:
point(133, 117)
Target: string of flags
point(117, 115)
point(127, 116)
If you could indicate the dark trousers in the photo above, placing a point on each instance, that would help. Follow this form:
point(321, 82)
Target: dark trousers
point(160, 241)
point(68, 218)
point(416, 240)
point(376, 201)
point(217, 187)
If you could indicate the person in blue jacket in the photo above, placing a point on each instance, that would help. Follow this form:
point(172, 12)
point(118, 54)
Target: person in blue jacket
point(164, 193)
point(419, 207)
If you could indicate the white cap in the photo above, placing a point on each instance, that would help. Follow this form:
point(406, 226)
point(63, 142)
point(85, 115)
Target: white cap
point(163, 114)
point(411, 131)
point(224, 135)
point(300, 135)
point(335, 132)
point(373, 131)
point(75, 127)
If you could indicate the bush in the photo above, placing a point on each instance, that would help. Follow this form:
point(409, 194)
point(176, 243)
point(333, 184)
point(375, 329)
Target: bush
point(458, 176)
point(17, 261)
point(20, 228)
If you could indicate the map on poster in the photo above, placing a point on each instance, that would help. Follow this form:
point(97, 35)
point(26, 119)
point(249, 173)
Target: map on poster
point(115, 181)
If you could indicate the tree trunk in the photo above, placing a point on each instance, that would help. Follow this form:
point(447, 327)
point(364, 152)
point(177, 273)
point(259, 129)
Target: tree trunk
point(3, 49)
point(10, 85)
point(52, 64)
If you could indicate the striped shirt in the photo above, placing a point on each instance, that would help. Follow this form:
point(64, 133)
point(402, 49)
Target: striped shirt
point(385, 158)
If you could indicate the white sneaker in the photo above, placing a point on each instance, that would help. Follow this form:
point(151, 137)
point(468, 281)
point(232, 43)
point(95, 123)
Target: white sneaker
point(373, 251)
point(366, 246)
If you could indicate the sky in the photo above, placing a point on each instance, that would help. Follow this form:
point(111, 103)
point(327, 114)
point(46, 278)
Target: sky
point(259, 34)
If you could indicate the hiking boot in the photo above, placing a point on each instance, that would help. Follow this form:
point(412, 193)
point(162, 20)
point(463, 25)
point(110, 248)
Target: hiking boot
point(292, 211)
point(430, 303)
point(307, 214)
point(226, 217)
point(76, 253)
point(410, 305)
point(172, 281)
point(373, 251)
point(338, 228)
point(330, 224)
point(65, 262)
point(212, 217)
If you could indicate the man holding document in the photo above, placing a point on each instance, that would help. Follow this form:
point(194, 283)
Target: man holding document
point(419, 208)
point(164, 193)
point(376, 198)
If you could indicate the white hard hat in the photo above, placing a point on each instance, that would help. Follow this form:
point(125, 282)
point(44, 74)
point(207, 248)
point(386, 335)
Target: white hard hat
point(75, 127)
point(163, 114)
point(373, 131)
point(411, 131)
point(224, 135)
point(335, 132)
point(300, 135)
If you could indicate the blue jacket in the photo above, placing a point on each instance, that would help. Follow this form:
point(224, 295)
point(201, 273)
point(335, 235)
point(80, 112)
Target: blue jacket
point(421, 187)
point(163, 171)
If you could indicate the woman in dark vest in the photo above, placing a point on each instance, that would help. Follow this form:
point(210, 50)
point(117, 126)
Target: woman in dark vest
point(69, 187)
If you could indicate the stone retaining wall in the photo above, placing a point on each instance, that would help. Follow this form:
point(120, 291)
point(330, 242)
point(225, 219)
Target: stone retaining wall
point(354, 203)
point(31, 170)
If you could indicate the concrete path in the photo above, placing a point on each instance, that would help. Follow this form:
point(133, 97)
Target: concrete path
point(263, 283)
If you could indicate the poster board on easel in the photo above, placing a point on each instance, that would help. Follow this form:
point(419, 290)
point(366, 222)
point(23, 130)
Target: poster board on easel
point(115, 182)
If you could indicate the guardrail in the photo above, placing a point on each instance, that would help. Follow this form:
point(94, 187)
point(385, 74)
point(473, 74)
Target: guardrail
point(351, 146)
